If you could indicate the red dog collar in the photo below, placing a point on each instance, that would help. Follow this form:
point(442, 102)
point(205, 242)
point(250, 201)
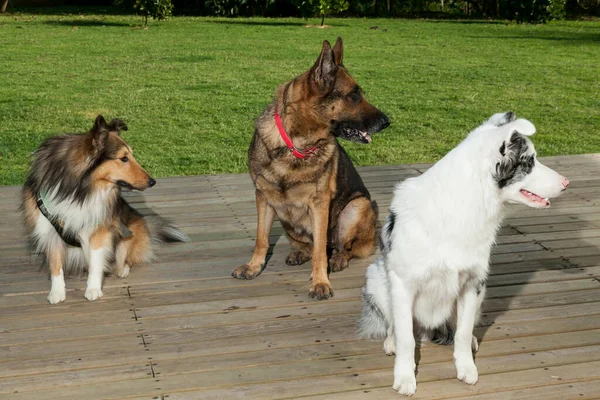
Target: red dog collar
point(288, 142)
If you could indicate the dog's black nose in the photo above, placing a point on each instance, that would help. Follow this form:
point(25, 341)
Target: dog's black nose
point(151, 182)
point(385, 122)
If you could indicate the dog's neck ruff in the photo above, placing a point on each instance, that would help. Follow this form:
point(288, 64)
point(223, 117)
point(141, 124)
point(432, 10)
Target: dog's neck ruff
point(56, 222)
point(288, 142)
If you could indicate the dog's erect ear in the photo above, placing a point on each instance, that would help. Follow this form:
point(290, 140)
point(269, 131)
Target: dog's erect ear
point(99, 132)
point(117, 125)
point(322, 74)
point(521, 126)
point(338, 51)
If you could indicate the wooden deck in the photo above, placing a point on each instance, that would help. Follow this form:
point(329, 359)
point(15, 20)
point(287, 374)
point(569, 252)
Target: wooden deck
point(182, 328)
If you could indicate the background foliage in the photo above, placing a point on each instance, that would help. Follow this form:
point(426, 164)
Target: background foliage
point(519, 10)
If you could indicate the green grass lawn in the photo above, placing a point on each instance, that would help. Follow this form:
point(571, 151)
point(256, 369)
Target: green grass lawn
point(190, 88)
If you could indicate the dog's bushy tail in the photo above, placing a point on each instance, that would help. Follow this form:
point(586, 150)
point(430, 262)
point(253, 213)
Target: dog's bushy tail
point(373, 323)
point(163, 230)
point(443, 335)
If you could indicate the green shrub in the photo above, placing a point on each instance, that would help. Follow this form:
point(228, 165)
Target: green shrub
point(322, 8)
point(557, 9)
point(157, 9)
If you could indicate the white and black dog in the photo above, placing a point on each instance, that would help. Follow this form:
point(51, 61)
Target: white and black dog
point(437, 239)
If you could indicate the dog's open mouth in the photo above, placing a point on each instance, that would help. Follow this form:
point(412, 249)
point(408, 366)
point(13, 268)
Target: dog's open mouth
point(535, 199)
point(361, 136)
point(125, 185)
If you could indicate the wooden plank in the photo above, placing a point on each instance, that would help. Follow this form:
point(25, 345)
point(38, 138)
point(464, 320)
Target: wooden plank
point(574, 390)
point(539, 383)
point(360, 368)
point(323, 351)
point(199, 327)
point(74, 378)
point(336, 335)
point(101, 329)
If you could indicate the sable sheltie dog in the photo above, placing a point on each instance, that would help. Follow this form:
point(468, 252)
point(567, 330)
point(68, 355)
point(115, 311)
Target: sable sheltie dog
point(437, 240)
point(74, 212)
point(305, 177)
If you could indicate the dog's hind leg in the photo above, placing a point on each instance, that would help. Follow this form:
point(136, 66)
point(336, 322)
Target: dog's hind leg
point(55, 257)
point(121, 267)
point(355, 236)
point(266, 215)
point(302, 252)
point(133, 250)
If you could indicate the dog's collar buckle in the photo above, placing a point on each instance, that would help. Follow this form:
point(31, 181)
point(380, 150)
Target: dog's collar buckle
point(288, 142)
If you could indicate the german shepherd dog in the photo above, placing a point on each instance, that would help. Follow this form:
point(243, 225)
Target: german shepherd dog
point(316, 193)
point(74, 212)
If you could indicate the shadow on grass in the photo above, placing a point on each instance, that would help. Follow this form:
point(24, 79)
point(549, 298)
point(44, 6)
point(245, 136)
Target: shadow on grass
point(70, 10)
point(448, 20)
point(84, 22)
point(257, 22)
point(269, 23)
point(589, 37)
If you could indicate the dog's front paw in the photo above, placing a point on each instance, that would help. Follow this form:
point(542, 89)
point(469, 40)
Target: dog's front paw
point(321, 291)
point(467, 372)
point(93, 293)
point(389, 345)
point(297, 257)
point(405, 384)
point(57, 296)
point(246, 271)
point(123, 272)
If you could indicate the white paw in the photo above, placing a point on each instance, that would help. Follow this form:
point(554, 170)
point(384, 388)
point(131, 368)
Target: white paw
point(57, 296)
point(123, 273)
point(405, 384)
point(389, 346)
point(93, 294)
point(475, 345)
point(467, 372)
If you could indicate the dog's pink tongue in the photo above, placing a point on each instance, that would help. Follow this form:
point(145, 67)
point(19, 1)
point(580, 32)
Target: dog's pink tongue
point(534, 197)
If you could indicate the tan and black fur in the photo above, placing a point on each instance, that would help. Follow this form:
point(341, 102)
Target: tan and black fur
point(321, 201)
point(87, 225)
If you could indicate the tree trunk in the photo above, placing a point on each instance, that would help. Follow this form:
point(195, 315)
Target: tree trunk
point(442, 5)
point(323, 20)
point(4, 4)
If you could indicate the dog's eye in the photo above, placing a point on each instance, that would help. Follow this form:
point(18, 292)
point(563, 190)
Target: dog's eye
point(355, 96)
point(124, 159)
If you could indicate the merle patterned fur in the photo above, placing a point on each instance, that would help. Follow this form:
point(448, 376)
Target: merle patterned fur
point(385, 239)
point(517, 161)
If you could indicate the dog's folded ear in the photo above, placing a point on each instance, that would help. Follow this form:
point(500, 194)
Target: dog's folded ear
point(502, 118)
point(117, 125)
point(99, 132)
point(522, 126)
point(322, 74)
